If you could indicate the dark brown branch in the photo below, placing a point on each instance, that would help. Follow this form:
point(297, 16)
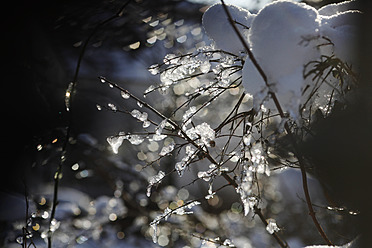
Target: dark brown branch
point(286, 126)
point(263, 219)
point(71, 88)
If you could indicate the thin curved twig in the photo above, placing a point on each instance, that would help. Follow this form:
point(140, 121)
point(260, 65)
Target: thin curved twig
point(71, 89)
point(298, 154)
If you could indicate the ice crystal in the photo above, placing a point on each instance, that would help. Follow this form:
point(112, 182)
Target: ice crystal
point(272, 226)
point(167, 212)
point(167, 149)
point(146, 124)
point(205, 67)
point(154, 181)
point(154, 69)
point(139, 104)
point(247, 139)
point(210, 196)
point(259, 162)
point(138, 115)
point(151, 88)
point(245, 190)
point(211, 173)
point(158, 137)
point(180, 166)
point(160, 127)
point(228, 243)
point(112, 107)
point(115, 142)
point(204, 175)
point(54, 225)
point(190, 154)
point(135, 139)
point(186, 118)
point(124, 95)
point(203, 133)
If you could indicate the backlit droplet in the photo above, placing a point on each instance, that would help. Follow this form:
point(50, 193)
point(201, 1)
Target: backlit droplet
point(19, 240)
point(124, 95)
point(68, 95)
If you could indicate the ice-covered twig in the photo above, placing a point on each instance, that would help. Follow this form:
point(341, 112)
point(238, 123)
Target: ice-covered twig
point(176, 127)
point(298, 154)
point(68, 101)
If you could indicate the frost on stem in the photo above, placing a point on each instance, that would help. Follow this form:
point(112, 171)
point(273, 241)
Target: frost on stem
point(167, 149)
point(272, 226)
point(212, 172)
point(190, 154)
point(182, 210)
point(115, 142)
point(302, 53)
point(155, 180)
point(203, 134)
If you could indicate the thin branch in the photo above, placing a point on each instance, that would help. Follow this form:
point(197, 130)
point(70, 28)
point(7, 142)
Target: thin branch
point(263, 219)
point(71, 89)
point(286, 126)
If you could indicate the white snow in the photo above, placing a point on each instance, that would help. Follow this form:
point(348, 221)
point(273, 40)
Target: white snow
point(284, 36)
point(342, 30)
point(280, 35)
point(272, 226)
point(218, 27)
point(336, 8)
point(352, 244)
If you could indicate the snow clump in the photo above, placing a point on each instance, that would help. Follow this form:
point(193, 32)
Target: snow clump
point(284, 37)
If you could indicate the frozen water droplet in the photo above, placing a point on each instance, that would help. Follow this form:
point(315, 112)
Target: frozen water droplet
point(54, 225)
point(39, 147)
point(247, 139)
point(167, 149)
point(135, 139)
point(115, 142)
point(205, 67)
point(112, 107)
point(44, 235)
point(272, 226)
point(68, 94)
point(19, 240)
point(99, 108)
point(135, 113)
point(139, 104)
point(154, 69)
point(124, 95)
point(154, 180)
point(151, 88)
point(138, 115)
point(102, 79)
point(204, 175)
point(146, 124)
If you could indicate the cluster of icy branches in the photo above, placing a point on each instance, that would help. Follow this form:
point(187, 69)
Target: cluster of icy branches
point(235, 129)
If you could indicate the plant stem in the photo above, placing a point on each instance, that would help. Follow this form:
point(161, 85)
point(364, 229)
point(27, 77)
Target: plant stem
point(286, 126)
point(72, 87)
